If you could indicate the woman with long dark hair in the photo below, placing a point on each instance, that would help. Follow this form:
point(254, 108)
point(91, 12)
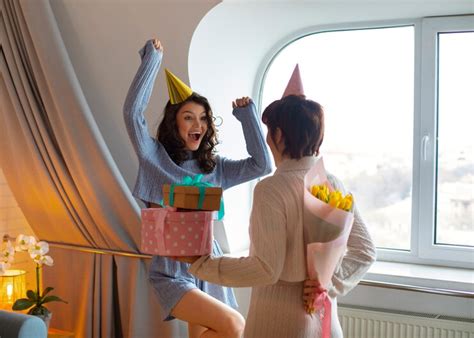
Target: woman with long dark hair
point(185, 146)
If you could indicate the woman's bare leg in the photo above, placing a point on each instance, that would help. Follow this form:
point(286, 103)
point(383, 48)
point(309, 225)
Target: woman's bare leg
point(208, 317)
point(196, 331)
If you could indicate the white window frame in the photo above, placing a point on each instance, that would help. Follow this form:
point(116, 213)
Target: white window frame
point(422, 247)
point(431, 27)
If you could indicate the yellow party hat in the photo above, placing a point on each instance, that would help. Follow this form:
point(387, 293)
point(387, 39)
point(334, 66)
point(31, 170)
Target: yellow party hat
point(177, 90)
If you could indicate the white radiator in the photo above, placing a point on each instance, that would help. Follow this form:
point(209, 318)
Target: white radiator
point(358, 322)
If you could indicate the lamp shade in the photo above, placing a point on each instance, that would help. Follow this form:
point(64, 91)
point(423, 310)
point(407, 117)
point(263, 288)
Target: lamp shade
point(12, 287)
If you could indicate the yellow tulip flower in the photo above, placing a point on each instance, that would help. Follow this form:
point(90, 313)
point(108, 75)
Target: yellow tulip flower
point(334, 198)
point(323, 196)
point(347, 205)
point(315, 190)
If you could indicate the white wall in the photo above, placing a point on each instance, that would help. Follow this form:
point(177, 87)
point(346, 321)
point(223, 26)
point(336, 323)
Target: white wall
point(232, 47)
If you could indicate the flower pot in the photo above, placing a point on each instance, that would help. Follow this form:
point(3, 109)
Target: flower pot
point(46, 319)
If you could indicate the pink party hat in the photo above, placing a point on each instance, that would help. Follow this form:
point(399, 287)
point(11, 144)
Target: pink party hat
point(295, 86)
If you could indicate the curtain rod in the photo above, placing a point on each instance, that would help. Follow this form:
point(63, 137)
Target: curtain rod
point(371, 283)
point(88, 249)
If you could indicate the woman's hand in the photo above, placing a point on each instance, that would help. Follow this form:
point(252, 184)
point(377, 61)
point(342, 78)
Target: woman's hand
point(157, 44)
point(185, 259)
point(242, 102)
point(310, 290)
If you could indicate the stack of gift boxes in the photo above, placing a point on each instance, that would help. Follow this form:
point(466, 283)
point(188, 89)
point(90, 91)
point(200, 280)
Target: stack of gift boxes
point(184, 226)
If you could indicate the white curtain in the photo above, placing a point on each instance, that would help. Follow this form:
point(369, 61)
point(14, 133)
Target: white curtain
point(67, 185)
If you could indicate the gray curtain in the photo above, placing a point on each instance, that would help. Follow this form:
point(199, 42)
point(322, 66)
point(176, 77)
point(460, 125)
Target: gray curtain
point(66, 183)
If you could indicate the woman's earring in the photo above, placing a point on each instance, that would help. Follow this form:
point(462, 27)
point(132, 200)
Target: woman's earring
point(221, 120)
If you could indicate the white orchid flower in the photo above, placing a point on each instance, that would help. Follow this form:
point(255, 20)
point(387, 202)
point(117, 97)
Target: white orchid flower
point(4, 267)
point(39, 249)
point(40, 260)
point(24, 242)
point(7, 254)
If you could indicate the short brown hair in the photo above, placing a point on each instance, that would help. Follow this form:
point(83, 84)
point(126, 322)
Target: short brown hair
point(301, 122)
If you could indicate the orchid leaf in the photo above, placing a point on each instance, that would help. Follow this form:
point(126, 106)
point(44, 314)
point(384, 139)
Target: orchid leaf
point(22, 304)
point(46, 291)
point(32, 295)
point(51, 299)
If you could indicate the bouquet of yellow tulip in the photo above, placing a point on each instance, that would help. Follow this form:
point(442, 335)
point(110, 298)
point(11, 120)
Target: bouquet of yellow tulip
point(333, 198)
point(336, 200)
point(328, 217)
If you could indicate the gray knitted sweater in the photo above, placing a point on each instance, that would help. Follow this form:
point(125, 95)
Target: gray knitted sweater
point(157, 168)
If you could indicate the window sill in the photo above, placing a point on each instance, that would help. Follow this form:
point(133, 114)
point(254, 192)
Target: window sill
point(427, 276)
point(422, 275)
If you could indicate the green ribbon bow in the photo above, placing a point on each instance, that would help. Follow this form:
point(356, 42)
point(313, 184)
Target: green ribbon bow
point(196, 182)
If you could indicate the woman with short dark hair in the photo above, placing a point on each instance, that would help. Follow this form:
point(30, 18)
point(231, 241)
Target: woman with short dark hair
point(276, 267)
point(302, 133)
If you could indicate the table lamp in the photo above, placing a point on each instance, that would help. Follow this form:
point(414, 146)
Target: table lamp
point(12, 287)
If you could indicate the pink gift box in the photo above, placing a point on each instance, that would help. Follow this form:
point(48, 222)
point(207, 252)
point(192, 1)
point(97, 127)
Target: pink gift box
point(176, 233)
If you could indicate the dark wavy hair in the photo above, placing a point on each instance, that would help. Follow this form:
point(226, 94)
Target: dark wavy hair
point(301, 122)
point(169, 137)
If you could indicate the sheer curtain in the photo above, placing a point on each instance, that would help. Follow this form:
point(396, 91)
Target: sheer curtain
point(66, 183)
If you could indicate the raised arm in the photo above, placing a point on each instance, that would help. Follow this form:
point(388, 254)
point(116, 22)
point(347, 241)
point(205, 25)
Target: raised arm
point(139, 95)
point(259, 163)
point(267, 250)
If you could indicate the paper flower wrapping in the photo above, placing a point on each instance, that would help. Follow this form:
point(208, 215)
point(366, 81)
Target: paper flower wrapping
point(328, 214)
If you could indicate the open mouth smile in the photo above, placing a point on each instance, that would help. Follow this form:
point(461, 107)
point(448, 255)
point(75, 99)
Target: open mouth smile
point(194, 136)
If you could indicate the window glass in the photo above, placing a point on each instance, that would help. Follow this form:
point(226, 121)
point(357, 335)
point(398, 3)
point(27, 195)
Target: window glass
point(455, 166)
point(364, 79)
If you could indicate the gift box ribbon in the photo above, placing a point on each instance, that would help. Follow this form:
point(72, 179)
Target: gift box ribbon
point(322, 303)
point(196, 182)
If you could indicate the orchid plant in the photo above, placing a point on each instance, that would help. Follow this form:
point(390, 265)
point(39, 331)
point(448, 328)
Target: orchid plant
point(37, 251)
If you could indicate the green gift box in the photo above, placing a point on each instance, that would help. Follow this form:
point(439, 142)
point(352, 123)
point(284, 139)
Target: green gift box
point(193, 194)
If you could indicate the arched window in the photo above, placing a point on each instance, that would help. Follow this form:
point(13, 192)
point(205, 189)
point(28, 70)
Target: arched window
point(415, 194)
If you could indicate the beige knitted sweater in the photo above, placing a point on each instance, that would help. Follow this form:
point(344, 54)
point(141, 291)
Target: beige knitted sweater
point(277, 250)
